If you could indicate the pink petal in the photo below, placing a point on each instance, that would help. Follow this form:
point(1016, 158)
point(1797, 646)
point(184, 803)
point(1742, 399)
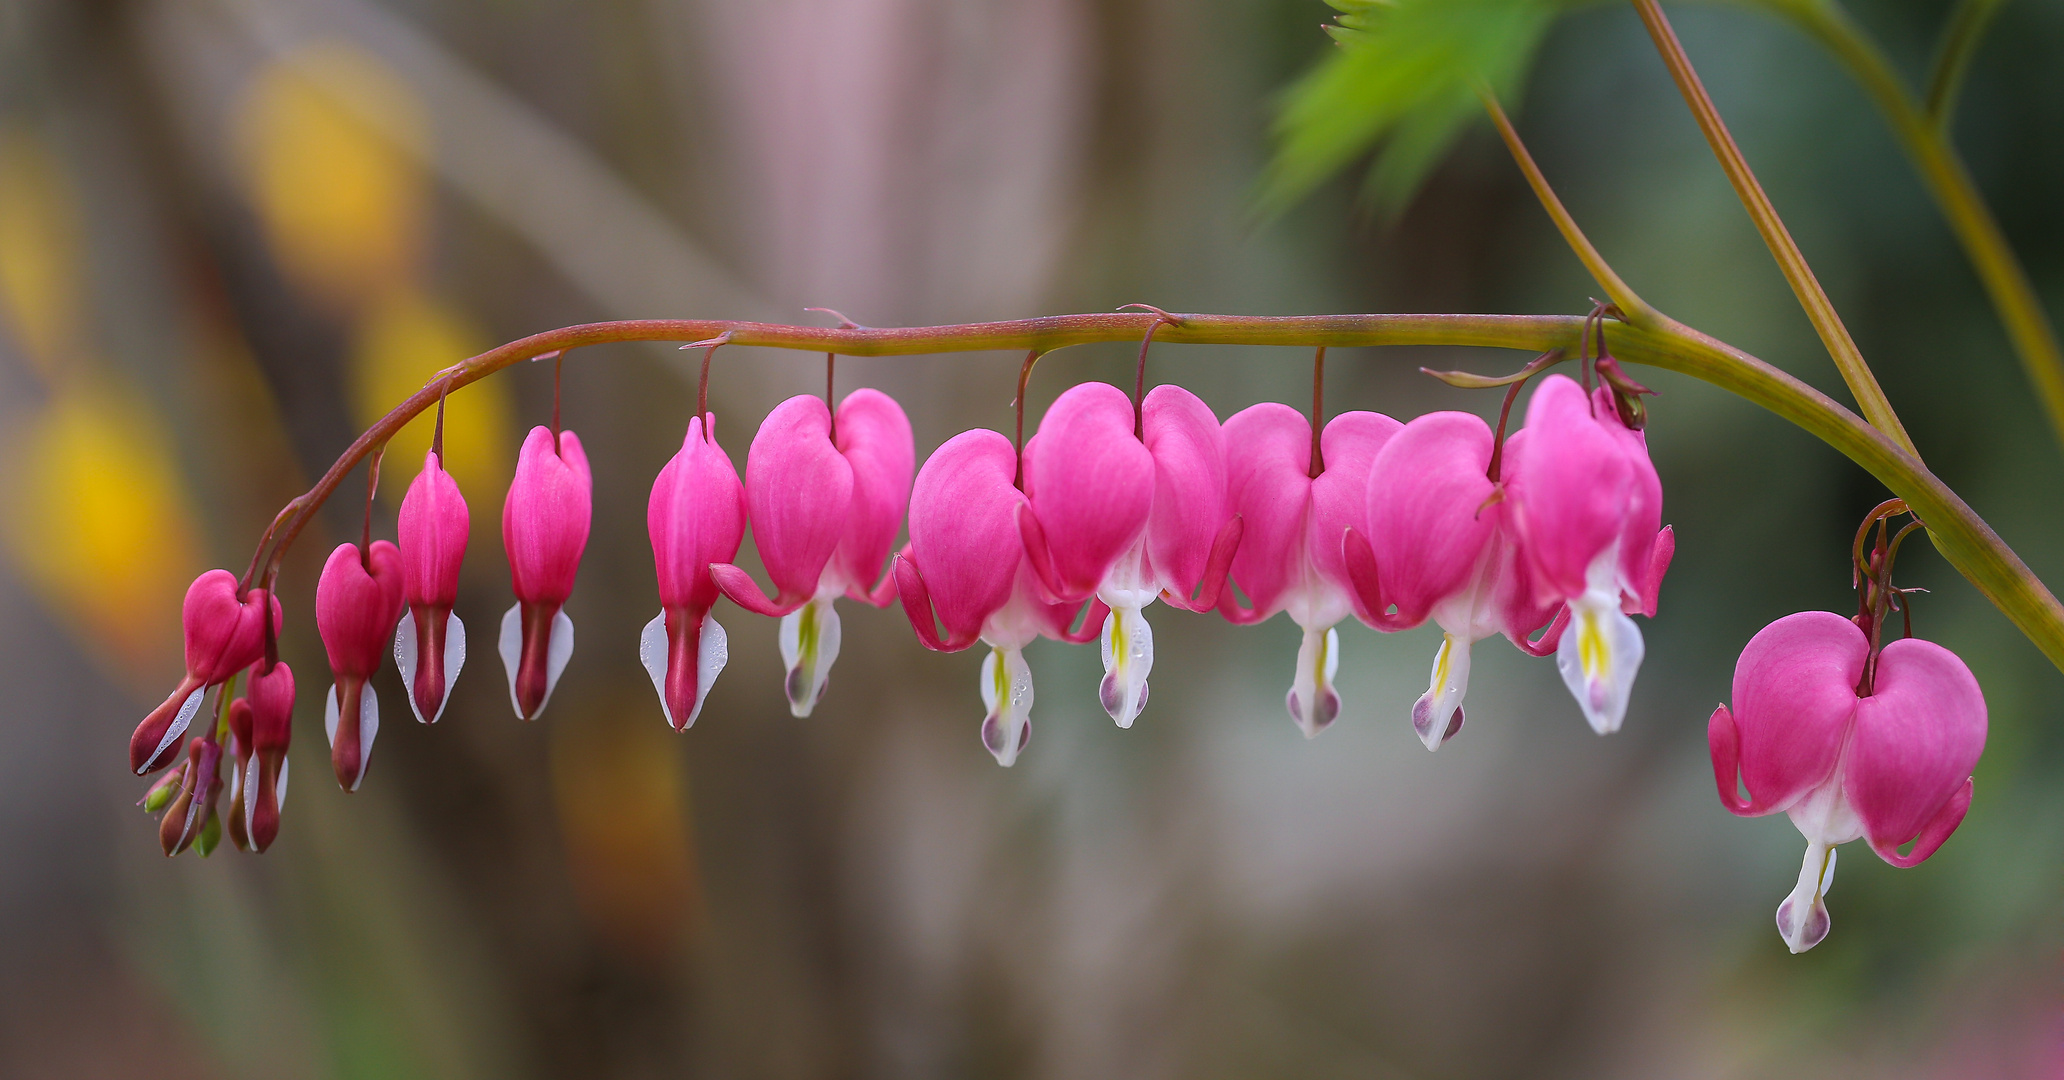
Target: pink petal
point(1091, 483)
point(1794, 695)
point(1570, 496)
point(1268, 451)
point(432, 528)
point(1917, 738)
point(545, 517)
point(964, 544)
point(1348, 447)
point(1644, 512)
point(355, 610)
point(696, 516)
point(1189, 504)
point(1428, 522)
point(874, 435)
point(798, 488)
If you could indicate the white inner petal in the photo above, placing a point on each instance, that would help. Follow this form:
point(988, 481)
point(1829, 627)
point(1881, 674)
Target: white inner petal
point(180, 722)
point(511, 647)
point(1598, 656)
point(1128, 652)
point(709, 663)
point(1007, 694)
point(454, 658)
point(405, 660)
point(809, 644)
point(652, 652)
point(1447, 686)
point(1312, 701)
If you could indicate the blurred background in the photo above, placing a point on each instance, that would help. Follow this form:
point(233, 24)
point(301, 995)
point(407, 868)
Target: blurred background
point(234, 232)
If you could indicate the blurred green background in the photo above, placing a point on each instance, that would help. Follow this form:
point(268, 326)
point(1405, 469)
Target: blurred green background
point(232, 232)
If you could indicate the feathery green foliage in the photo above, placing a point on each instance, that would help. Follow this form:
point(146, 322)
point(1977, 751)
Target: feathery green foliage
point(1405, 76)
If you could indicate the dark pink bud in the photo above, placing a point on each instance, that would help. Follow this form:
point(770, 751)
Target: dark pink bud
point(224, 634)
point(430, 646)
point(545, 529)
point(696, 517)
point(264, 784)
point(187, 818)
point(357, 603)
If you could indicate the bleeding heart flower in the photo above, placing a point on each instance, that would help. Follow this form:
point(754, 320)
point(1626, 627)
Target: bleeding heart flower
point(1290, 553)
point(357, 602)
point(544, 530)
point(263, 732)
point(967, 568)
point(824, 517)
point(224, 634)
point(1128, 518)
point(1892, 765)
point(430, 645)
point(696, 517)
point(1439, 545)
point(190, 820)
point(1586, 505)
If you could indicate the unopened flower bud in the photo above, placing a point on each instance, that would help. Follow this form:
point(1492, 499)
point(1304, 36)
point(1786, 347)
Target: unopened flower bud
point(544, 530)
point(357, 603)
point(430, 645)
point(190, 812)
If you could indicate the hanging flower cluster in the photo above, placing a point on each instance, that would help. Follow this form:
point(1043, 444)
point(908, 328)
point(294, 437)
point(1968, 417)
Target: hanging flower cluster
point(1849, 735)
point(1552, 537)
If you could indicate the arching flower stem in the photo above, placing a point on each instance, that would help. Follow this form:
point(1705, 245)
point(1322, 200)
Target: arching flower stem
point(1960, 534)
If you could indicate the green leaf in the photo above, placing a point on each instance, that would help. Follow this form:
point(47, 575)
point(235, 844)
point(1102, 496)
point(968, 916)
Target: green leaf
point(1404, 79)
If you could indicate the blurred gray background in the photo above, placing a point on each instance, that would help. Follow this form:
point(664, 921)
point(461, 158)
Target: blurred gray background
point(232, 232)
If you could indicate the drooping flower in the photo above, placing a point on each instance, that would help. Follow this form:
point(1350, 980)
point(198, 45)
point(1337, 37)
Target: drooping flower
point(544, 529)
point(357, 602)
point(190, 820)
point(696, 517)
point(966, 567)
point(430, 645)
point(224, 634)
point(1127, 518)
point(1891, 765)
point(824, 516)
point(1290, 557)
point(1439, 544)
point(269, 707)
point(1586, 505)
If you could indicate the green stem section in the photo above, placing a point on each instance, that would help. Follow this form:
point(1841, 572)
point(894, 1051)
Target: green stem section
point(1963, 538)
point(1924, 134)
point(1960, 38)
point(1870, 398)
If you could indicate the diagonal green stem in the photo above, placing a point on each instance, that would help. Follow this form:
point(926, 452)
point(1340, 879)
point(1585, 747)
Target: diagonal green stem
point(1925, 137)
point(1960, 38)
point(1870, 398)
point(1963, 538)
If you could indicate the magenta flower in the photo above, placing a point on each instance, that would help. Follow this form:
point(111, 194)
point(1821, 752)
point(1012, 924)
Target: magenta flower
point(1891, 764)
point(1439, 545)
point(1584, 501)
point(1290, 553)
point(357, 602)
point(696, 517)
point(259, 785)
point(544, 529)
point(187, 819)
point(824, 517)
point(224, 634)
point(1127, 518)
point(966, 567)
point(430, 645)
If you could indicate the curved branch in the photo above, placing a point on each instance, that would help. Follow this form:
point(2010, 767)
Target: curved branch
point(1963, 538)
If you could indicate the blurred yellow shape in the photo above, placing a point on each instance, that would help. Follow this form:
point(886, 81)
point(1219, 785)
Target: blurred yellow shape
point(332, 142)
point(39, 250)
point(622, 794)
point(404, 340)
point(99, 524)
